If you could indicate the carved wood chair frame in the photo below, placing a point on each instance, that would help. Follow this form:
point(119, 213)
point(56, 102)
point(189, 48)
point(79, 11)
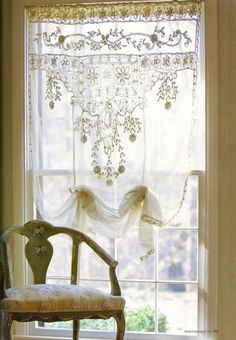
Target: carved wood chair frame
point(38, 233)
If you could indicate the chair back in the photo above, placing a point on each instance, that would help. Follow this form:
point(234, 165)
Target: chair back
point(39, 249)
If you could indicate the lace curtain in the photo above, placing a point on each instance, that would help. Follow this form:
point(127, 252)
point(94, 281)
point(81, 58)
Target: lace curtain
point(114, 128)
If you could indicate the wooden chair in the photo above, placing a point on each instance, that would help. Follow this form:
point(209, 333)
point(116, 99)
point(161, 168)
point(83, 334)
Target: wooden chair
point(52, 302)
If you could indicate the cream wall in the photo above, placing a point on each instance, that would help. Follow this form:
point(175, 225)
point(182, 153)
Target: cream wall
point(227, 155)
point(227, 170)
point(5, 115)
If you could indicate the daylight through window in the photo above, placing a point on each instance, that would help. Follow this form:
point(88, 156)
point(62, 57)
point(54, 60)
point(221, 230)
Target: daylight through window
point(116, 149)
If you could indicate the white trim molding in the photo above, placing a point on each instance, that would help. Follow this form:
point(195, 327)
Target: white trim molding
point(27, 337)
point(211, 217)
point(208, 235)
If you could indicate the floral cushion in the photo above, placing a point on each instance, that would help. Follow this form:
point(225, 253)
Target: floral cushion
point(59, 298)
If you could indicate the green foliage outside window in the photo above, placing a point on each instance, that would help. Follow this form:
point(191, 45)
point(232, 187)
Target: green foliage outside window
point(139, 320)
point(143, 320)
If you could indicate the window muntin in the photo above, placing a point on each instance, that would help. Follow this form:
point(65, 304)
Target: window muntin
point(159, 290)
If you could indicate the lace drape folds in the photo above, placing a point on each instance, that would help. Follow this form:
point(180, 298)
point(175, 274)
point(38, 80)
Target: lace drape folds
point(114, 128)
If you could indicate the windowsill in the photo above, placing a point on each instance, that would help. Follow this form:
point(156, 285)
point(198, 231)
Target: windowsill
point(163, 336)
point(31, 337)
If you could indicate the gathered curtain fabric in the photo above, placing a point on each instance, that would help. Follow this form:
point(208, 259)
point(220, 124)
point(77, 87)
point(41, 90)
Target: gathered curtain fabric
point(114, 126)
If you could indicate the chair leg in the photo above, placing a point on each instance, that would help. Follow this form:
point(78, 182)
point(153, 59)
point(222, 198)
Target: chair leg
point(75, 329)
point(7, 322)
point(120, 320)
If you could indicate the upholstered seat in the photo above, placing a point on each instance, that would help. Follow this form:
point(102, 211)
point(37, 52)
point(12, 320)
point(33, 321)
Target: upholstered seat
point(54, 302)
point(46, 298)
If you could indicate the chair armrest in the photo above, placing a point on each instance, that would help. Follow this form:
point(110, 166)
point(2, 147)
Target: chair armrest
point(2, 290)
point(115, 287)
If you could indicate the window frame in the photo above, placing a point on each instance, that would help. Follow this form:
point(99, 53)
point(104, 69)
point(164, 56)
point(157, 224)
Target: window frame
point(21, 212)
point(200, 174)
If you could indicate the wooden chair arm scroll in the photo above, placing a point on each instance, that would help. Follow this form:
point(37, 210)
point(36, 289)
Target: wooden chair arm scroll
point(2, 291)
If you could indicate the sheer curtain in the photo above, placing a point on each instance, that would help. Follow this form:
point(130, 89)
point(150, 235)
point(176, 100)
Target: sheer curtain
point(114, 128)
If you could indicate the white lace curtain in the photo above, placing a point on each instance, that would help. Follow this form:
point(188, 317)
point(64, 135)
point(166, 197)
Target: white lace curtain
point(114, 129)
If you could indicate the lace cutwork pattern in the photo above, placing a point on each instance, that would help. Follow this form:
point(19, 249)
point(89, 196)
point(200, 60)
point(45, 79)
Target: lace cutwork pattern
point(108, 72)
point(109, 12)
point(114, 40)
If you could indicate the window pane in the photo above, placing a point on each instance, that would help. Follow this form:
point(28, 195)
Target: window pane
point(177, 254)
point(59, 280)
point(55, 190)
point(97, 324)
point(58, 324)
point(178, 302)
point(140, 306)
point(91, 265)
point(60, 264)
point(57, 143)
point(130, 266)
point(101, 285)
point(188, 215)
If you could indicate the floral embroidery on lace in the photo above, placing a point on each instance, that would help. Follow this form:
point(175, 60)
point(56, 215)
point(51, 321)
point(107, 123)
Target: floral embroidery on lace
point(52, 90)
point(109, 71)
point(122, 11)
point(115, 40)
point(107, 125)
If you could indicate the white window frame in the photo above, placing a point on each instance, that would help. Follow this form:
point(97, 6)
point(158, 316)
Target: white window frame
point(208, 237)
point(96, 335)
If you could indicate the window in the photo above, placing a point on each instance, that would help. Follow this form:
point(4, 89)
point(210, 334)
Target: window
point(67, 64)
point(171, 272)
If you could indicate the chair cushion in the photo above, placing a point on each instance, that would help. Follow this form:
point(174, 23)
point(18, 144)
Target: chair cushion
point(58, 298)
